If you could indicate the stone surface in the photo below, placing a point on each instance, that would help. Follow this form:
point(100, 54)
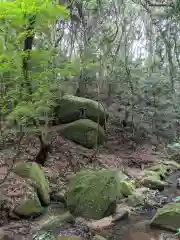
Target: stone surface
point(83, 132)
point(93, 194)
point(123, 213)
point(70, 108)
point(21, 197)
point(52, 222)
point(34, 172)
point(101, 224)
point(30, 207)
point(167, 217)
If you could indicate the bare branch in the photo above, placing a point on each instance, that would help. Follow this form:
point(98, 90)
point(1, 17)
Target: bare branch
point(163, 4)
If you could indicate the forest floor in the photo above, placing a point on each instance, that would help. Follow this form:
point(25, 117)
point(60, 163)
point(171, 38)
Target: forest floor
point(66, 158)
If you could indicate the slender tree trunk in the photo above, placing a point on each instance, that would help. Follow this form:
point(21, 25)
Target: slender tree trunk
point(28, 43)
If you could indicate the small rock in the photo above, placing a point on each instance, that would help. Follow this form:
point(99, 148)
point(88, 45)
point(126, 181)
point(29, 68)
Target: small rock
point(52, 222)
point(59, 197)
point(101, 224)
point(121, 214)
point(98, 237)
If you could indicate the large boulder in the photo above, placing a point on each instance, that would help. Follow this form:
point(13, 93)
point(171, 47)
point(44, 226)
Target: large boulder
point(167, 217)
point(21, 197)
point(70, 109)
point(34, 172)
point(93, 194)
point(83, 132)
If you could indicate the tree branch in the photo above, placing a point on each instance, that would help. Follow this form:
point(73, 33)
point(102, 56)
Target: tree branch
point(155, 4)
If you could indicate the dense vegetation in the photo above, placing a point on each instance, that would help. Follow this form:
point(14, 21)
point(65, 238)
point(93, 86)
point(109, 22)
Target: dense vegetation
point(124, 54)
point(81, 69)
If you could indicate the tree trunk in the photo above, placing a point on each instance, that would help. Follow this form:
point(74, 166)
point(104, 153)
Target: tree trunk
point(28, 43)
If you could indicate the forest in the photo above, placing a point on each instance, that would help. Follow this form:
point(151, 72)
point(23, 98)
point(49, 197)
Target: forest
point(89, 119)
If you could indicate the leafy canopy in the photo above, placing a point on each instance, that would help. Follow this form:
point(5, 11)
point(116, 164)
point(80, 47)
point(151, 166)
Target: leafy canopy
point(19, 102)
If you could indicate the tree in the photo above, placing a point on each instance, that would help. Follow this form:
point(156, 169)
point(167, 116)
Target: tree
point(26, 95)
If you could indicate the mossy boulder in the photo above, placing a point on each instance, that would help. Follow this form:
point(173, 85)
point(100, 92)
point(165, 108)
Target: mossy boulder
point(23, 200)
point(70, 107)
point(30, 207)
point(92, 193)
point(83, 132)
point(34, 172)
point(167, 217)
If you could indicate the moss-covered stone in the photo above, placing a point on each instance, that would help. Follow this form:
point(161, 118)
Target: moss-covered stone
point(23, 200)
point(70, 109)
point(127, 187)
point(29, 207)
point(83, 132)
point(91, 193)
point(172, 164)
point(153, 177)
point(167, 217)
point(153, 182)
point(34, 172)
point(160, 170)
point(136, 199)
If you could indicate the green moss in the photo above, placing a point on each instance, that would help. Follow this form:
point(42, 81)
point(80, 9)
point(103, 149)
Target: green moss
point(153, 182)
point(83, 132)
point(168, 216)
point(127, 188)
point(92, 192)
point(139, 196)
point(172, 164)
point(70, 107)
point(161, 170)
point(29, 208)
point(35, 173)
